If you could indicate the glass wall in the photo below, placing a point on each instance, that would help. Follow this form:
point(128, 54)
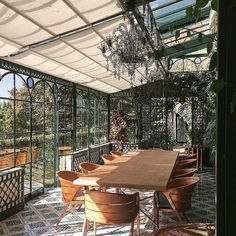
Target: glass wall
point(82, 120)
point(98, 119)
point(43, 121)
point(189, 64)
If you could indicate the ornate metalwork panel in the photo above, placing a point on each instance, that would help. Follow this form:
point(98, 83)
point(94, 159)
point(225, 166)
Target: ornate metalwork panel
point(79, 157)
point(198, 119)
point(153, 122)
point(11, 192)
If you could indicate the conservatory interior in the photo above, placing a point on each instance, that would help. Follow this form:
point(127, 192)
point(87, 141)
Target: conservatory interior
point(127, 85)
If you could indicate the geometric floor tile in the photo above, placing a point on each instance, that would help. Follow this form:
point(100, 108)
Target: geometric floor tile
point(40, 215)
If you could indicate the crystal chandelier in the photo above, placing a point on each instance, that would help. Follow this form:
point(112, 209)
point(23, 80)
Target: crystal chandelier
point(127, 50)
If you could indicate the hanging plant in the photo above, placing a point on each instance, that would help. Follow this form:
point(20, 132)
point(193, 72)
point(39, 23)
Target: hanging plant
point(118, 130)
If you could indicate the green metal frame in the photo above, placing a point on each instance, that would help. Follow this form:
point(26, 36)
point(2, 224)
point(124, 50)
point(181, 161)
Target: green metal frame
point(47, 79)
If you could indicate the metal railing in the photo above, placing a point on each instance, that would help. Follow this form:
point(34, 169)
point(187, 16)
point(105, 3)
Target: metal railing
point(91, 154)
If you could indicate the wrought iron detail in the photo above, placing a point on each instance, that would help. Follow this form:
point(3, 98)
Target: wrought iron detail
point(11, 192)
point(77, 158)
point(198, 120)
point(90, 155)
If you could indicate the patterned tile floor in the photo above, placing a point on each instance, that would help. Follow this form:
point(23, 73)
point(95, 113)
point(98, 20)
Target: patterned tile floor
point(39, 215)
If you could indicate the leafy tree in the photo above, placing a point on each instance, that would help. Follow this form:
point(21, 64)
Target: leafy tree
point(3, 108)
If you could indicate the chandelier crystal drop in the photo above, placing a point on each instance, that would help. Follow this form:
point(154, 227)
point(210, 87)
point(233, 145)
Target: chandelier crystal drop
point(127, 50)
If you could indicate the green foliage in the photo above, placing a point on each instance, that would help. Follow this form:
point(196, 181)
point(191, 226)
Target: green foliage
point(189, 12)
point(200, 37)
point(3, 108)
point(189, 135)
point(201, 3)
point(213, 62)
point(177, 34)
point(194, 11)
point(23, 141)
point(210, 119)
point(189, 33)
point(209, 47)
point(214, 4)
point(233, 102)
point(217, 85)
point(210, 138)
point(232, 3)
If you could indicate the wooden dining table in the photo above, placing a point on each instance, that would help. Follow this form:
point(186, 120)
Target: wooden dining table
point(143, 169)
point(140, 170)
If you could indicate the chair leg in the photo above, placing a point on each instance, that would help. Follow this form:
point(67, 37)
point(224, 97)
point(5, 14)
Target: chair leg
point(84, 231)
point(63, 213)
point(87, 225)
point(94, 228)
point(184, 217)
point(180, 217)
point(155, 211)
point(138, 224)
point(76, 205)
point(132, 229)
point(117, 190)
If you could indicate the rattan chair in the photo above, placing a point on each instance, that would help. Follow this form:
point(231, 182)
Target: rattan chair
point(186, 156)
point(111, 208)
point(177, 198)
point(187, 163)
point(107, 158)
point(71, 194)
point(188, 172)
point(87, 167)
point(116, 153)
point(193, 229)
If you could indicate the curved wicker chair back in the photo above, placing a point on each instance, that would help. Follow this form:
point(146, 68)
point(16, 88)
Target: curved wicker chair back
point(71, 193)
point(179, 195)
point(186, 156)
point(116, 153)
point(180, 192)
point(87, 167)
point(111, 208)
point(188, 163)
point(193, 229)
point(107, 158)
point(188, 172)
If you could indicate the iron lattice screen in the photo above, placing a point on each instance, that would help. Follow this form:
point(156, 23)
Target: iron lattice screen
point(126, 147)
point(90, 155)
point(198, 120)
point(153, 122)
point(95, 155)
point(78, 158)
point(11, 191)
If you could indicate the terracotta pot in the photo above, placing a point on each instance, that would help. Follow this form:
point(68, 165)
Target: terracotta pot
point(6, 160)
point(21, 157)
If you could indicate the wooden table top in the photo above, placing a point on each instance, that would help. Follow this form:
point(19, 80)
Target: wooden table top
point(149, 169)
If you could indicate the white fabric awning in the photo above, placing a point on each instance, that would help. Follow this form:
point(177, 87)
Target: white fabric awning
point(75, 57)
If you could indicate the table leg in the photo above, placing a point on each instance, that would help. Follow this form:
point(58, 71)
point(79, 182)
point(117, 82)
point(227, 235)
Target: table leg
point(155, 211)
point(197, 151)
point(201, 153)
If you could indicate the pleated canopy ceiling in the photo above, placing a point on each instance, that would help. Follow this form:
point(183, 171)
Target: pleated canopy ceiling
point(61, 37)
point(72, 56)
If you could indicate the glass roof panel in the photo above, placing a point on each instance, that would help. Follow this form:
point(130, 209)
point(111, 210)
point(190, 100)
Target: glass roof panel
point(177, 21)
point(170, 18)
point(175, 7)
point(197, 26)
point(172, 13)
point(160, 3)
